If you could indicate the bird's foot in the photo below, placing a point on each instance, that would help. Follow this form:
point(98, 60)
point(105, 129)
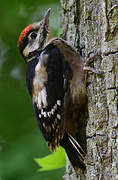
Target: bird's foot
point(88, 69)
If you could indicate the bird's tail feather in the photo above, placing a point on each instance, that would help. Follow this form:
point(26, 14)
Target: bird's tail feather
point(74, 151)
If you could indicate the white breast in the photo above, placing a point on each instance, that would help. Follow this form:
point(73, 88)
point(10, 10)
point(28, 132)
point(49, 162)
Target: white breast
point(39, 81)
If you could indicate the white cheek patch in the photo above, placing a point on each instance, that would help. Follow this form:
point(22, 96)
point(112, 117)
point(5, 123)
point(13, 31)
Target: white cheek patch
point(31, 46)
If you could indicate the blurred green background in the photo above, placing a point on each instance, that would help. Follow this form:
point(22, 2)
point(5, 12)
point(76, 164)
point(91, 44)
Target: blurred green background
point(20, 138)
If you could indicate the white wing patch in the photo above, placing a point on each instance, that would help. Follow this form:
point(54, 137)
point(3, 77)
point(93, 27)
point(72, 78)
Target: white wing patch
point(40, 78)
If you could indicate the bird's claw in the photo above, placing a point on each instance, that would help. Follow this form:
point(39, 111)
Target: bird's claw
point(88, 69)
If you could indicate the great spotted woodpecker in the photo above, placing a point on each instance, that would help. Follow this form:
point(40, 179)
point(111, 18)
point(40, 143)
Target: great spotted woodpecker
point(55, 80)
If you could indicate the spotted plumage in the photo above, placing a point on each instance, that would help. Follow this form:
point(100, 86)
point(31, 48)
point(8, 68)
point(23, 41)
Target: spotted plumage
point(55, 80)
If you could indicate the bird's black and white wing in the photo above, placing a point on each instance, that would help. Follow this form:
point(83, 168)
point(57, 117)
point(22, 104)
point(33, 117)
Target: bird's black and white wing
point(48, 94)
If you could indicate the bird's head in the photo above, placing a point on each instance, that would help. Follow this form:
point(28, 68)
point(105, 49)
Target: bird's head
point(33, 37)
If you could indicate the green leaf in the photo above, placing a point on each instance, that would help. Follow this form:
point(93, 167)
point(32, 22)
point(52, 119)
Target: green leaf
point(53, 161)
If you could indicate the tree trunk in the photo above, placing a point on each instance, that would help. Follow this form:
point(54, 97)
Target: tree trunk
point(91, 26)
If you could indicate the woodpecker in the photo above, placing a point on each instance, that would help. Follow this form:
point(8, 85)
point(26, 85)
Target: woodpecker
point(55, 80)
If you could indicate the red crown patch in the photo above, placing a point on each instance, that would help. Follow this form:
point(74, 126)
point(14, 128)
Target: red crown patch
point(24, 33)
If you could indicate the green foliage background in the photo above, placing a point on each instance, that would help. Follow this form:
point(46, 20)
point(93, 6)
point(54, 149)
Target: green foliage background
point(20, 138)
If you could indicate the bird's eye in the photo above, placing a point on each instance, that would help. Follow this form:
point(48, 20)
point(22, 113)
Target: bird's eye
point(33, 35)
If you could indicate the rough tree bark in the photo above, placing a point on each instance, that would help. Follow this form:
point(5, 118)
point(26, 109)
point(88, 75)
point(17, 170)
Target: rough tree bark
point(91, 26)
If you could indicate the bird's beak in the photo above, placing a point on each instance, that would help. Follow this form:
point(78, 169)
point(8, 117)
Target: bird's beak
point(46, 19)
point(46, 16)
